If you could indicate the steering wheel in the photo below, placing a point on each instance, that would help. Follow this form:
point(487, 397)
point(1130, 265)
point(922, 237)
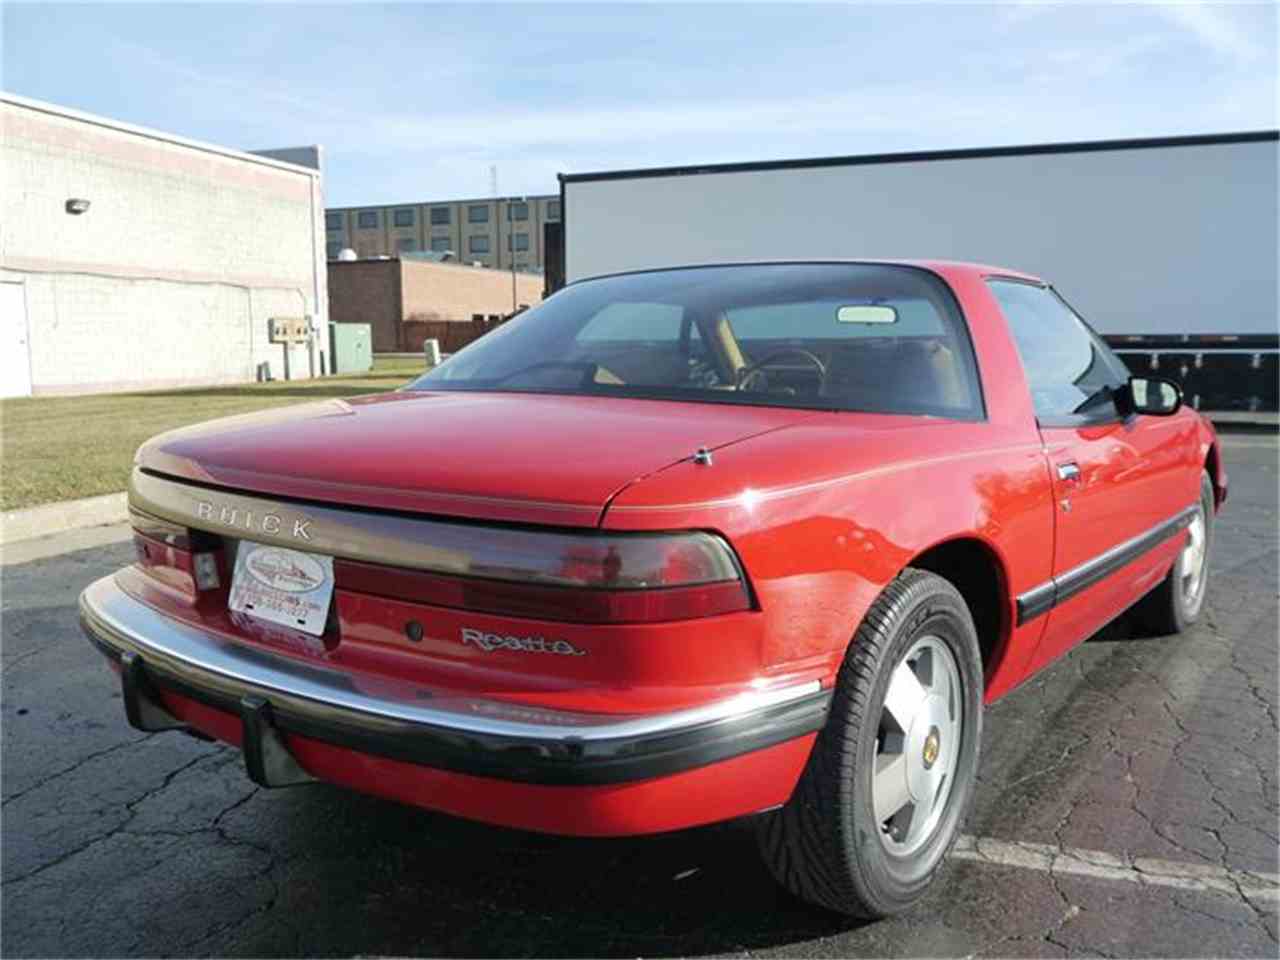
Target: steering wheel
point(753, 370)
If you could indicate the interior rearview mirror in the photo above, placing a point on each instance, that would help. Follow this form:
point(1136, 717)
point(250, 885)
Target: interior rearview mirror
point(1154, 396)
point(866, 313)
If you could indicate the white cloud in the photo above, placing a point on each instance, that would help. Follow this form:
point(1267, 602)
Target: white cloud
point(1216, 27)
point(865, 111)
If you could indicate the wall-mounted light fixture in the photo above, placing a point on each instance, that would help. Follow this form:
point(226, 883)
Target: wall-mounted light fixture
point(77, 206)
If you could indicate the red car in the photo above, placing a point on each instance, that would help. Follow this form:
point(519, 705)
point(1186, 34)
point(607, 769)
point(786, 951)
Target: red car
point(676, 546)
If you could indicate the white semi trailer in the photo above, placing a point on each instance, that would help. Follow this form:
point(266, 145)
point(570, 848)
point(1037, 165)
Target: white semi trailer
point(1167, 246)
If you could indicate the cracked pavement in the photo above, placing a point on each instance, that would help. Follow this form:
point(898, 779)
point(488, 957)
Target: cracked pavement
point(1130, 755)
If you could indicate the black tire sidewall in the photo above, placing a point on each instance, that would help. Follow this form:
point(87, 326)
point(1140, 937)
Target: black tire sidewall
point(900, 880)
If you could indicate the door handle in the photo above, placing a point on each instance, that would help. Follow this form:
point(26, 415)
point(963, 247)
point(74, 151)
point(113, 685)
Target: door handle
point(1069, 471)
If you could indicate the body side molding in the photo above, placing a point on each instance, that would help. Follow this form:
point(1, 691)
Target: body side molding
point(1059, 589)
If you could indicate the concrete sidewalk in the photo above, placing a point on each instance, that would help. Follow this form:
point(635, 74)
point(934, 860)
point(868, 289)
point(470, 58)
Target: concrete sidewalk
point(52, 518)
point(68, 541)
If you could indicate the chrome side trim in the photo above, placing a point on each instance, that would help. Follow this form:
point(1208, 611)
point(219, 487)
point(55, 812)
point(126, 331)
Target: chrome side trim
point(1059, 589)
point(413, 723)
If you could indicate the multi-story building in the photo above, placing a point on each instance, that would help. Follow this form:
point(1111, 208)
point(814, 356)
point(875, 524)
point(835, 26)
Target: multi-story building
point(492, 232)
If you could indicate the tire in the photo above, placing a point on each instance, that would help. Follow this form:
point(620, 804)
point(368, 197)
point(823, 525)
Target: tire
point(827, 845)
point(1176, 603)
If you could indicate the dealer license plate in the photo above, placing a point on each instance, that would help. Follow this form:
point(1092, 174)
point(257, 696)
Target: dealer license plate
point(284, 586)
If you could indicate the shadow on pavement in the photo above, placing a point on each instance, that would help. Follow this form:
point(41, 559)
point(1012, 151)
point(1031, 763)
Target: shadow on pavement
point(428, 883)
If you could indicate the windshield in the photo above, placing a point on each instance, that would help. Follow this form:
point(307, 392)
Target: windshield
point(870, 337)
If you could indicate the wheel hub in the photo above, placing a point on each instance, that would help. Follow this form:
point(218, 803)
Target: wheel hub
point(932, 744)
point(918, 747)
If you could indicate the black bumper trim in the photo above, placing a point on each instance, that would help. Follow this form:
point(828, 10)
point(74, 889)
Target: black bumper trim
point(560, 760)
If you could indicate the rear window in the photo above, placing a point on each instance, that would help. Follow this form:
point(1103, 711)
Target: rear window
point(629, 322)
point(877, 338)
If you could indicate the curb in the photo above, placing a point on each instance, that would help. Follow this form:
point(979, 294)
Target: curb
point(51, 518)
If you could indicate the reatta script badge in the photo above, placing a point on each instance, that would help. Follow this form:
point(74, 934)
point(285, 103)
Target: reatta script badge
point(268, 523)
point(489, 642)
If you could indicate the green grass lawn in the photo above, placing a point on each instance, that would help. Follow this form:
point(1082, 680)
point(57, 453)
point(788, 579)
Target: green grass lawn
point(63, 448)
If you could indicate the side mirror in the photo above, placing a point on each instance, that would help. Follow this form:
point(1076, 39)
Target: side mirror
point(1153, 396)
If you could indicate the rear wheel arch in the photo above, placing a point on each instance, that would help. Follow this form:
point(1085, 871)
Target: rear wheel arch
point(1212, 463)
point(977, 572)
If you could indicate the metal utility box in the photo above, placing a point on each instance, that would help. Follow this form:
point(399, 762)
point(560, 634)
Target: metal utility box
point(352, 346)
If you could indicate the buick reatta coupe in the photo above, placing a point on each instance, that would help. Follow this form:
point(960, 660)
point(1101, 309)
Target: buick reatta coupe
point(674, 547)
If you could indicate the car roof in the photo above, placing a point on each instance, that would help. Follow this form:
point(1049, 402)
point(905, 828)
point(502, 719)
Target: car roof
point(949, 269)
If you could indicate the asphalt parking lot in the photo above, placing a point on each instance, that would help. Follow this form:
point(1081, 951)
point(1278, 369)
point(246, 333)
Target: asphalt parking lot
point(1128, 807)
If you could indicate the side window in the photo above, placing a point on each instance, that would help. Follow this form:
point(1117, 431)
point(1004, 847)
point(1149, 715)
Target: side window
point(1070, 371)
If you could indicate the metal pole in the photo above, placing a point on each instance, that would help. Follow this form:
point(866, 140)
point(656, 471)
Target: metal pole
point(511, 239)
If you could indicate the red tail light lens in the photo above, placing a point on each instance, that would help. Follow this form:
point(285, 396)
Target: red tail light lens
point(186, 560)
point(619, 562)
point(161, 531)
point(643, 578)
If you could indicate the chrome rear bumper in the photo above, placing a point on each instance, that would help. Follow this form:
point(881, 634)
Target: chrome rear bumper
point(405, 721)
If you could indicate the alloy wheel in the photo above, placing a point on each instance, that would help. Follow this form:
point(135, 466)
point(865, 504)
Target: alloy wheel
point(918, 746)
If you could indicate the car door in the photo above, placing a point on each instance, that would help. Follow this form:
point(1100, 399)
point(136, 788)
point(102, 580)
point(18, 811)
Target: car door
point(1117, 479)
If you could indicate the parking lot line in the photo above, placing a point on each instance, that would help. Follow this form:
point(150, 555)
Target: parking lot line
point(1146, 871)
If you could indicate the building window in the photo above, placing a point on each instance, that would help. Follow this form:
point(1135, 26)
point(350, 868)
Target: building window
point(367, 219)
point(521, 241)
point(334, 249)
point(439, 244)
point(478, 213)
point(333, 221)
point(403, 217)
point(517, 211)
point(440, 216)
point(553, 209)
point(478, 244)
point(406, 244)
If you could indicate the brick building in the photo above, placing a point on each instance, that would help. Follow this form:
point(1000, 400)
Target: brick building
point(127, 263)
point(486, 231)
point(408, 300)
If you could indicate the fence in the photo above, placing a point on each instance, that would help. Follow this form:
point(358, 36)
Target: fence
point(452, 334)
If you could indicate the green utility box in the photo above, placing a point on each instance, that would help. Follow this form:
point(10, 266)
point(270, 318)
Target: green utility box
point(352, 345)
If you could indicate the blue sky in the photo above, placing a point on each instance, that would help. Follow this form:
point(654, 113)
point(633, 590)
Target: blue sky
point(416, 102)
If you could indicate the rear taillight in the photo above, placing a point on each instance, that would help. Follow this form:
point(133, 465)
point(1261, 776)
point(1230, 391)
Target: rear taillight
point(184, 559)
point(161, 531)
point(611, 561)
point(619, 578)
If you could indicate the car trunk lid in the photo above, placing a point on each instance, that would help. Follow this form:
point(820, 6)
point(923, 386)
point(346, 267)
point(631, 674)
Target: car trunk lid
point(527, 458)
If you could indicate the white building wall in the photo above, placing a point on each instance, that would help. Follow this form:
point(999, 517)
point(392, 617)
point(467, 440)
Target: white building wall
point(171, 275)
